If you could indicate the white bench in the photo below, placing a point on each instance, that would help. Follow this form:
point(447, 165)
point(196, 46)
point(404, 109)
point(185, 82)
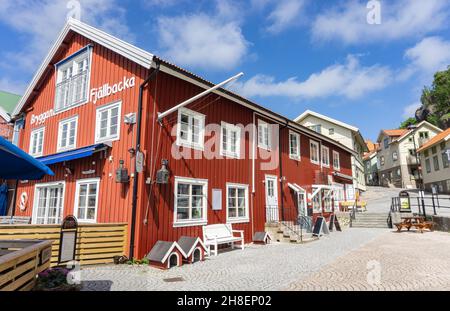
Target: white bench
point(214, 235)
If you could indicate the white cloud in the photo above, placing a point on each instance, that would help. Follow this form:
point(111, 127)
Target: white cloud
point(399, 19)
point(41, 21)
point(410, 110)
point(202, 41)
point(430, 55)
point(350, 80)
point(285, 13)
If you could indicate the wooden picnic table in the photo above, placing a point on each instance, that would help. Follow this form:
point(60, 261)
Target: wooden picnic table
point(414, 221)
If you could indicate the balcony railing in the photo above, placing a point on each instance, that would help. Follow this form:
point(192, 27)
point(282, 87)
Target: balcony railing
point(411, 160)
point(72, 91)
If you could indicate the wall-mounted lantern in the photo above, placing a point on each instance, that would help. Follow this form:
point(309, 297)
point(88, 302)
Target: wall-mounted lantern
point(122, 173)
point(162, 176)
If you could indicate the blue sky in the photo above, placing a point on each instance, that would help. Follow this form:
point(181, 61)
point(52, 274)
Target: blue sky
point(296, 54)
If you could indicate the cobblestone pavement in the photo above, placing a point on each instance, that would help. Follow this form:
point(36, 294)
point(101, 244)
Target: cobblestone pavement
point(270, 267)
point(406, 261)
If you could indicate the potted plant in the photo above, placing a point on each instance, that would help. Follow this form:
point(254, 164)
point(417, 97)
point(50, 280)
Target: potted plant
point(55, 279)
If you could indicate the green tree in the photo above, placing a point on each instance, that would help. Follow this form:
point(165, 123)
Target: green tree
point(407, 123)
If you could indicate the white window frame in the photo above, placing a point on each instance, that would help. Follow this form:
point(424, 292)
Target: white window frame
point(33, 132)
point(315, 143)
point(36, 198)
point(73, 62)
point(197, 222)
point(238, 219)
point(297, 154)
point(230, 128)
point(60, 125)
point(189, 143)
point(77, 194)
point(336, 156)
point(109, 107)
point(325, 150)
point(264, 128)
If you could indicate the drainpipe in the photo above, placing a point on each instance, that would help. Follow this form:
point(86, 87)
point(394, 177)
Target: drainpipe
point(137, 149)
point(281, 169)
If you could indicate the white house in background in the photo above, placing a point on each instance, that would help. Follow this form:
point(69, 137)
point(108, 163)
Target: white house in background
point(398, 165)
point(346, 134)
point(435, 161)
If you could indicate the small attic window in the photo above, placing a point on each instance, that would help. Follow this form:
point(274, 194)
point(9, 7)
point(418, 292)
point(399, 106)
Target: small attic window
point(72, 79)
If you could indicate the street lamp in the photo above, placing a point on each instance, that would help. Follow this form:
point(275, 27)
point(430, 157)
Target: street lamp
point(414, 128)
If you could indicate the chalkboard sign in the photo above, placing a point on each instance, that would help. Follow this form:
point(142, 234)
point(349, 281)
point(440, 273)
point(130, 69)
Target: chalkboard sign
point(334, 223)
point(317, 231)
point(68, 239)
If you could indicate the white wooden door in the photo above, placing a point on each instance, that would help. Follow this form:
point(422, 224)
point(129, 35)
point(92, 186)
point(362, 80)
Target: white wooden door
point(302, 208)
point(271, 198)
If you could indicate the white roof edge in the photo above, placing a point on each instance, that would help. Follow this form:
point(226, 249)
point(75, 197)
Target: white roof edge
point(5, 115)
point(424, 122)
point(321, 116)
point(121, 47)
point(174, 245)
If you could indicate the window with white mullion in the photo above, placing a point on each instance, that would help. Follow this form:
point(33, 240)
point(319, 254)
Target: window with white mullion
point(67, 134)
point(314, 152)
point(37, 142)
point(108, 122)
point(325, 156)
point(72, 81)
point(190, 129)
point(263, 135)
point(336, 161)
point(230, 140)
point(87, 200)
point(237, 203)
point(294, 146)
point(190, 201)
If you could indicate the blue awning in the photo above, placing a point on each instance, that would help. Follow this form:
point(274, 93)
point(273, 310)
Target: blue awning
point(17, 164)
point(72, 154)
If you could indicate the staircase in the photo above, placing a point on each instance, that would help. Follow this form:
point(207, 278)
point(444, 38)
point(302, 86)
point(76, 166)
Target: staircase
point(288, 232)
point(370, 220)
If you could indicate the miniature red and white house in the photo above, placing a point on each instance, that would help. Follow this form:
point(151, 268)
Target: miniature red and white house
point(166, 255)
point(193, 248)
point(91, 114)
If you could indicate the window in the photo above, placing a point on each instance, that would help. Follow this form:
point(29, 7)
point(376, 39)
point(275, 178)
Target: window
point(386, 143)
point(237, 203)
point(37, 142)
point(72, 81)
point(411, 152)
point(190, 129)
point(445, 160)
point(18, 125)
point(317, 202)
point(331, 131)
point(190, 201)
point(425, 153)
point(325, 156)
point(107, 127)
point(428, 165)
point(230, 140)
point(314, 151)
point(294, 146)
point(436, 163)
point(395, 156)
point(48, 203)
point(336, 161)
point(442, 145)
point(423, 135)
point(264, 135)
point(382, 160)
point(86, 200)
point(433, 150)
point(399, 173)
point(316, 128)
point(67, 134)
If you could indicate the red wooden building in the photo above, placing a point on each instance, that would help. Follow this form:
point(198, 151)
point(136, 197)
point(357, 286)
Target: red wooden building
point(93, 106)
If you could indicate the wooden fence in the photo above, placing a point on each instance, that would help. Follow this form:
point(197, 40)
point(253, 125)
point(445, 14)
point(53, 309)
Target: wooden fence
point(96, 243)
point(21, 261)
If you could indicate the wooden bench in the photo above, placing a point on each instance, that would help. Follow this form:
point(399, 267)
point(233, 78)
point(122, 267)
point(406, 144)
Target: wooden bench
point(14, 220)
point(423, 225)
point(215, 235)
